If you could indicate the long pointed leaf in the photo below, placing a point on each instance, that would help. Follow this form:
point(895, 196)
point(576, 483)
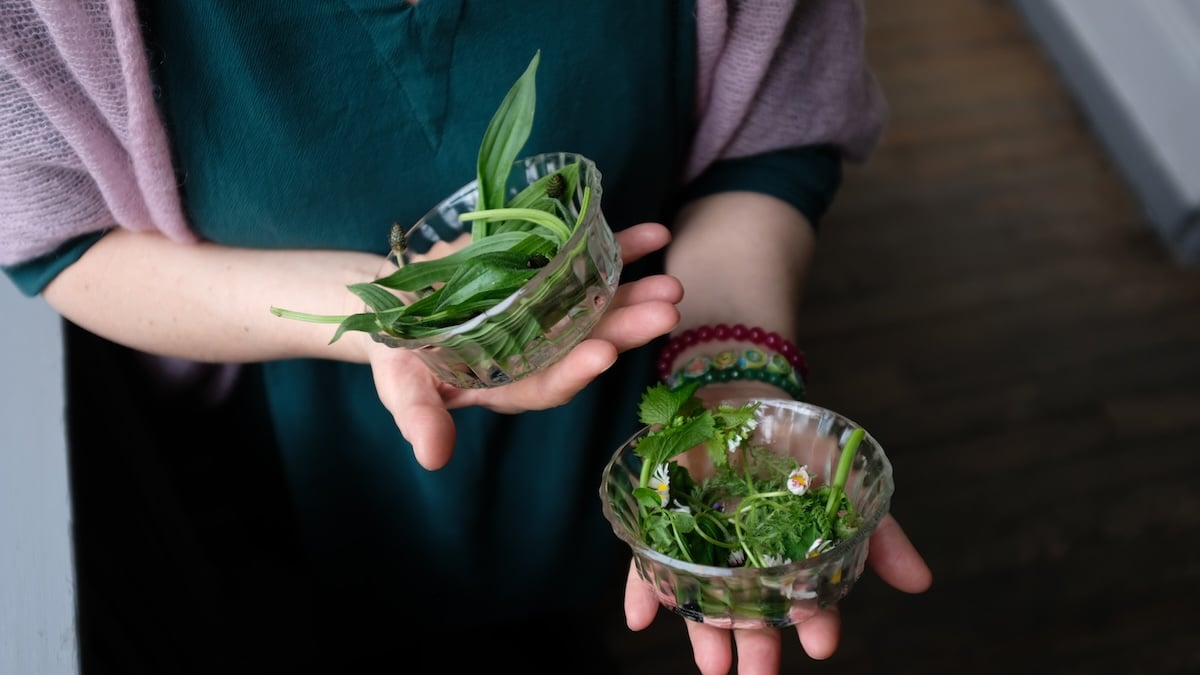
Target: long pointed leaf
point(505, 136)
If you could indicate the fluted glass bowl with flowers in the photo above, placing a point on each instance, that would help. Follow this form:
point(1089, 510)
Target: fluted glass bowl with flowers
point(503, 277)
point(751, 513)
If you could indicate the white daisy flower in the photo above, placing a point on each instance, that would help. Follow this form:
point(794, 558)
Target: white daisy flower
point(737, 557)
point(799, 480)
point(661, 482)
point(770, 560)
point(818, 547)
point(681, 508)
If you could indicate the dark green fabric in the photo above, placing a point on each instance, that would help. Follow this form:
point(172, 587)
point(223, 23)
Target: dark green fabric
point(320, 124)
point(807, 178)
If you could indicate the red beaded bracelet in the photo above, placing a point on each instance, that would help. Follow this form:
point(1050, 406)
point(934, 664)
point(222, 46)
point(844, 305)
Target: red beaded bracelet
point(693, 336)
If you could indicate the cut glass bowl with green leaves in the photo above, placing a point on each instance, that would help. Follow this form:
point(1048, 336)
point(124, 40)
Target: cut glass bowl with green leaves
point(536, 290)
point(505, 276)
point(768, 538)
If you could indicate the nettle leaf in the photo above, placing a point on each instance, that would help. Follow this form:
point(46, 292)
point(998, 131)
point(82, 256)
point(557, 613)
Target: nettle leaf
point(659, 446)
point(660, 405)
point(506, 134)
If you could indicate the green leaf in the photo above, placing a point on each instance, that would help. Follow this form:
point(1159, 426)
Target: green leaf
point(365, 321)
point(422, 274)
point(497, 274)
point(647, 497)
point(664, 444)
point(377, 298)
point(660, 405)
point(548, 221)
point(505, 136)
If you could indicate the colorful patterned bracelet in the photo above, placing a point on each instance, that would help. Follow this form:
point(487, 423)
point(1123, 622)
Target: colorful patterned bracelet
point(748, 364)
point(701, 334)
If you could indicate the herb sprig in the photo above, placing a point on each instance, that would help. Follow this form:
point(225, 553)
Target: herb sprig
point(511, 239)
point(756, 509)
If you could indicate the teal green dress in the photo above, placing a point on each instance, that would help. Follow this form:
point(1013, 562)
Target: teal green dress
point(317, 125)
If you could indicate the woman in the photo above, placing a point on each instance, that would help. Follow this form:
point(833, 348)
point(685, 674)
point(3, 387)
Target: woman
point(174, 170)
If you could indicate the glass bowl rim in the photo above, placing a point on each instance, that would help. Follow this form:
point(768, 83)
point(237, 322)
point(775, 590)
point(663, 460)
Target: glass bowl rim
point(863, 533)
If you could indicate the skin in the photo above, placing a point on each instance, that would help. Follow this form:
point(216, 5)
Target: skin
point(219, 311)
point(743, 258)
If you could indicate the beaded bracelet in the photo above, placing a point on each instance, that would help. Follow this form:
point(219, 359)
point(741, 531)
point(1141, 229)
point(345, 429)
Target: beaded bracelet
point(700, 334)
point(748, 364)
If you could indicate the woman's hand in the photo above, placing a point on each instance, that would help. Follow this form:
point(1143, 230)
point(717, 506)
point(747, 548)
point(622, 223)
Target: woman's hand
point(640, 311)
point(891, 555)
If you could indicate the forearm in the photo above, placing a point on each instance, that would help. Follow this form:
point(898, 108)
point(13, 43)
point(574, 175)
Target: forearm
point(207, 302)
point(742, 257)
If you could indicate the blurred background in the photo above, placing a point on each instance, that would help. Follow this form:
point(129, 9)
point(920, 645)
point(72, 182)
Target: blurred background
point(999, 297)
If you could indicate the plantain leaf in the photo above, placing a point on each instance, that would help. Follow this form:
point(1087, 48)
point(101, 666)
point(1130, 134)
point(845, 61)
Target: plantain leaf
point(505, 136)
point(425, 273)
point(376, 297)
point(496, 274)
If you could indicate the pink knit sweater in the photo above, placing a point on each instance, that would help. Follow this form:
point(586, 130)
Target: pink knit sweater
point(82, 148)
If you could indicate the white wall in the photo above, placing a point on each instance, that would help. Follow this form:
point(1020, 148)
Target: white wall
point(1134, 66)
point(37, 597)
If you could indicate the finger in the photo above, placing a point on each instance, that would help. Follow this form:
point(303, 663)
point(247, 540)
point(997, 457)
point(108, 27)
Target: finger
point(757, 651)
point(640, 604)
point(893, 557)
point(409, 391)
point(635, 325)
point(552, 386)
point(712, 648)
point(819, 634)
point(641, 239)
point(655, 287)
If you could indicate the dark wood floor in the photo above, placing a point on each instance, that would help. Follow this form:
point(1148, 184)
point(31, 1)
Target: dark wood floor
point(990, 302)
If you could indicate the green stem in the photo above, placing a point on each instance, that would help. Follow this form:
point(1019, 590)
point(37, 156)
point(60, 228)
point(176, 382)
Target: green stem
point(547, 220)
point(679, 540)
point(706, 537)
point(737, 520)
point(303, 316)
point(843, 471)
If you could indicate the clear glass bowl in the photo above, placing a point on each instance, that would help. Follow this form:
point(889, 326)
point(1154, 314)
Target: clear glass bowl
point(760, 597)
point(566, 297)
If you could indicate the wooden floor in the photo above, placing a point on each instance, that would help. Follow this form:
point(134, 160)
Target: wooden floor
point(990, 302)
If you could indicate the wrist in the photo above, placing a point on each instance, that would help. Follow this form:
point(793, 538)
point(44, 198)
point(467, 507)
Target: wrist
point(738, 353)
